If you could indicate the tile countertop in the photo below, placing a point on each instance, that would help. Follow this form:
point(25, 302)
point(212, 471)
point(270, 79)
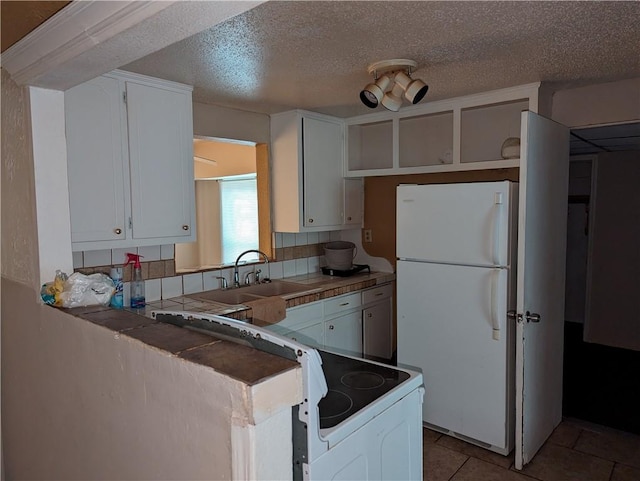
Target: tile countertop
point(234, 360)
point(320, 287)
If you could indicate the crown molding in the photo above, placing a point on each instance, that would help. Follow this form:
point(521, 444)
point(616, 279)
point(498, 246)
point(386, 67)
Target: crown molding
point(72, 31)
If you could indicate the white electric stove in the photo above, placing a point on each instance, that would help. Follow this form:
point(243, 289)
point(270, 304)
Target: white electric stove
point(360, 420)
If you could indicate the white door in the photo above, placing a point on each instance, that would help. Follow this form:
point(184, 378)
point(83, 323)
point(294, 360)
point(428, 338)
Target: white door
point(312, 336)
point(97, 160)
point(376, 330)
point(542, 223)
point(465, 223)
point(447, 321)
point(161, 157)
point(322, 163)
point(353, 200)
point(344, 334)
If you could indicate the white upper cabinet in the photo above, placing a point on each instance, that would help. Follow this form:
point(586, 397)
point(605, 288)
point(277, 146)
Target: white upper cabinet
point(353, 201)
point(97, 161)
point(161, 155)
point(130, 162)
point(464, 133)
point(322, 155)
point(307, 159)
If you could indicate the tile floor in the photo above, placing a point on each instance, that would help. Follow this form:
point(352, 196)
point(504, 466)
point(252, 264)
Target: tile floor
point(576, 451)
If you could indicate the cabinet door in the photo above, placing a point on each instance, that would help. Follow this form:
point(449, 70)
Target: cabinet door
point(312, 336)
point(161, 161)
point(96, 160)
point(322, 161)
point(353, 201)
point(344, 333)
point(376, 327)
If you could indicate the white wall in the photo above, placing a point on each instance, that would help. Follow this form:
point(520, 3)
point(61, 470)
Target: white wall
point(82, 403)
point(613, 281)
point(222, 122)
point(49, 149)
point(19, 227)
point(207, 250)
point(613, 102)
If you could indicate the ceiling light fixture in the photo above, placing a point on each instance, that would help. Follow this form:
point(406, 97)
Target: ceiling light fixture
point(395, 75)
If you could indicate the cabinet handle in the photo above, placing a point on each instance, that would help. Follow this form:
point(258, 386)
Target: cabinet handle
point(185, 227)
point(348, 218)
point(379, 294)
point(331, 327)
point(369, 315)
point(310, 221)
point(345, 304)
point(117, 231)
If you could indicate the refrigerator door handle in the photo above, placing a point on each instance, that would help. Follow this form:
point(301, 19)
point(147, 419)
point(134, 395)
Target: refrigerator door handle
point(495, 318)
point(497, 226)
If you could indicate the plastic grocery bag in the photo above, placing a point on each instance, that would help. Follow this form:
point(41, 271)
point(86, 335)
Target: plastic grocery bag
point(78, 290)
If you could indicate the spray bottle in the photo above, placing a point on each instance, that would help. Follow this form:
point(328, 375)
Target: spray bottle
point(137, 282)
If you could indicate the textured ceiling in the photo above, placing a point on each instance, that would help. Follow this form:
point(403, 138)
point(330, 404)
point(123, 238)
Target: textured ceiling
point(314, 55)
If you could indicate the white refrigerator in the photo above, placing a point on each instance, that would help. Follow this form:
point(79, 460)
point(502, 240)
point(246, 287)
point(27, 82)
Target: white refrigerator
point(455, 282)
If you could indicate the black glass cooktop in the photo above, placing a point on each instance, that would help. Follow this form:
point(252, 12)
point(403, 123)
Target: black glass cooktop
point(353, 384)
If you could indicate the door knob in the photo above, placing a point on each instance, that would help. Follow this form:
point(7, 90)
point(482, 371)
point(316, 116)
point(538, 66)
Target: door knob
point(529, 316)
point(532, 317)
point(117, 231)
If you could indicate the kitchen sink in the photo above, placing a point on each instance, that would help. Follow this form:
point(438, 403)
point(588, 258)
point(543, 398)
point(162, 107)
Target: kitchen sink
point(245, 294)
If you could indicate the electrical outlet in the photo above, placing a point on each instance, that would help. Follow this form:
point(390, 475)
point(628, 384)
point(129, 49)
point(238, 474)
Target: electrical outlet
point(368, 236)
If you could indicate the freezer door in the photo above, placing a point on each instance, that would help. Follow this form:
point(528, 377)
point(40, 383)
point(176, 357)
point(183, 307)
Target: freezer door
point(447, 316)
point(454, 223)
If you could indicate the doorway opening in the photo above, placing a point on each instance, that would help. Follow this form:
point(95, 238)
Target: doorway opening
point(601, 355)
point(232, 204)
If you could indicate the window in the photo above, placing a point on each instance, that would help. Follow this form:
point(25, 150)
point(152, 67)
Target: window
point(239, 218)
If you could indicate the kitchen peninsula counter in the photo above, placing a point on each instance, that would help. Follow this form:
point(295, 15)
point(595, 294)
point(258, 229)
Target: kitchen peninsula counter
point(240, 362)
point(159, 401)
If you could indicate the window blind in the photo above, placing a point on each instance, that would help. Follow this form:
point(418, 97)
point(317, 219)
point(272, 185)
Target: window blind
point(239, 209)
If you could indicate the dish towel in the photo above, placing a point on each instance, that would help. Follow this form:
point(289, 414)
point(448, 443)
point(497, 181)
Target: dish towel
point(268, 310)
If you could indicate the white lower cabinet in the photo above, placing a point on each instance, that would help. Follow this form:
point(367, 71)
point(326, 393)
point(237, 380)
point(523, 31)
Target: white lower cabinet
point(358, 324)
point(312, 335)
point(344, 333)
point(376, 329)
point(377, 322)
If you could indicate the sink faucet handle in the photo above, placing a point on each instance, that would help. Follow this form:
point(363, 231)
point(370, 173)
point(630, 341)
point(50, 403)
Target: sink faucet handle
point(256, 279)
point(223, 282)
point(246, 278)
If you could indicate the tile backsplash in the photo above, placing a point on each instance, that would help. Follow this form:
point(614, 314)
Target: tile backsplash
point(296, 254)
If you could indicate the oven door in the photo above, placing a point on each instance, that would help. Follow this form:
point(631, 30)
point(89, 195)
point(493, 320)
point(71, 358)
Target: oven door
point(387, 447)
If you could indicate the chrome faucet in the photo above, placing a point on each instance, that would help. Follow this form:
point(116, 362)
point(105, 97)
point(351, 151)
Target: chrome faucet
point(236, 276)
